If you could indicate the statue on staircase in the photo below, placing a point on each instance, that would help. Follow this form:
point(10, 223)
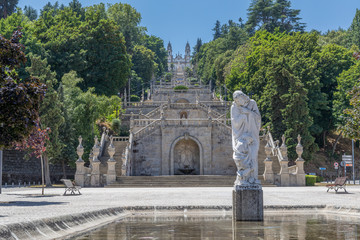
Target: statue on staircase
point(246, 123)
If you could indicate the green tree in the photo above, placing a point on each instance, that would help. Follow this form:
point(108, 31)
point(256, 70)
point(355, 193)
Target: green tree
point(143, 64)
point(273, 14)
point(333, 60)
point(83, 109)
point(197, 46)
point(345, 83)
point(7, 7)
point(128, 19)
point(30, 12)
point(50, 111)
point(354, 30)
point(156, 45)
point(217, 30)
point(271, 68)
point(339, 37)
point(351, 128)
point(96, 50)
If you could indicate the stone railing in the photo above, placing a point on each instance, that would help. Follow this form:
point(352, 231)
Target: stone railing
point(205, 107)
point(120, 139)
point(147, 129)
point(156, 111)
point(104, 138)
point(144, 104)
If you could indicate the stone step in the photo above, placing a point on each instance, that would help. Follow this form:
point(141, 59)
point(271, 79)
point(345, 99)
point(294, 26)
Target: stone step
point(175, 181)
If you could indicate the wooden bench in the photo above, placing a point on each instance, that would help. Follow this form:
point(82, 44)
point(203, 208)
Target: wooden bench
point(70, 186)
point(339, 183)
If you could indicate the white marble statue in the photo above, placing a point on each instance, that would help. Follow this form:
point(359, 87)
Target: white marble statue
point(246, 122)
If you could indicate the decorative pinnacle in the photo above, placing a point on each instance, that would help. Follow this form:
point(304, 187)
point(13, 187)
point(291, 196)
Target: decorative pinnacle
point(283, 141)
point(80, 140)
point(299, 139)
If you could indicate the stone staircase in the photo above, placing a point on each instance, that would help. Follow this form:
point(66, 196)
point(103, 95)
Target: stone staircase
point(120, 144)
point(176, 181)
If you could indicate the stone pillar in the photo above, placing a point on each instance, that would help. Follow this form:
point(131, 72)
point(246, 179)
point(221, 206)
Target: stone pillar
point(111, 174)
point(95, 172)
point(284, 164)
point(80, 170)
point(300, 173)
point(268, 173)
point(248, 203)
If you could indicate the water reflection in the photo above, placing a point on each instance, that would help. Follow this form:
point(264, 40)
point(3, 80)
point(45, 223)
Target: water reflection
point(275, 226)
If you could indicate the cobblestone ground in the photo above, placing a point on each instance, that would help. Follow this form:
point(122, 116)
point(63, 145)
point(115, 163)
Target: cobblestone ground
point(27, 204)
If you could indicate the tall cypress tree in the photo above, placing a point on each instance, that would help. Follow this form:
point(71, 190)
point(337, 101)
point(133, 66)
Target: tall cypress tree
point(217, 30)
point(355, 29)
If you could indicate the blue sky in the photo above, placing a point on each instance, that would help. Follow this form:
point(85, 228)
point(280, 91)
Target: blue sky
point(186, 20)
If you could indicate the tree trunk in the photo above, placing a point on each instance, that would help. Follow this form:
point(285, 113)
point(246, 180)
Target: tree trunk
point(64, 169)
point(336, 142)
point(324, 139)
point(47, 171)
point(42, 175)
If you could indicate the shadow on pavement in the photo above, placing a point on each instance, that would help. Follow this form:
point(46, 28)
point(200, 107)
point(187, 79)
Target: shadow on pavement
point(29, 203)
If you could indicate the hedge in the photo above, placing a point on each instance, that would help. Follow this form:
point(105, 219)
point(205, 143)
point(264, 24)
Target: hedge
point(310, 180)
point(180, 87)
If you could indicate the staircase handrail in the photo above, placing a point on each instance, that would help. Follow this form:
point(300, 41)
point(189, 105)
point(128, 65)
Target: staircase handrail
point(274, 148)
point(156, 110)
point(147, 127)
point(102, 142)
point(223, 124)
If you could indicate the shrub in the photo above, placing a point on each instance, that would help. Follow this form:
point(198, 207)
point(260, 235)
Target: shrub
point(181, 88)
point(116, 125)
point(134, 98)
point(319, 178)
point(310, 180)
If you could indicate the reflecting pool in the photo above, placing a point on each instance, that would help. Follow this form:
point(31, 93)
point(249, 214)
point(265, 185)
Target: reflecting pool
point(275, 226)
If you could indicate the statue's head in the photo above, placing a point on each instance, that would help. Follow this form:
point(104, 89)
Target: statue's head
point(241, 98)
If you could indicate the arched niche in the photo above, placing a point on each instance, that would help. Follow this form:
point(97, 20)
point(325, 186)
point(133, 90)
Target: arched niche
point(186, 156)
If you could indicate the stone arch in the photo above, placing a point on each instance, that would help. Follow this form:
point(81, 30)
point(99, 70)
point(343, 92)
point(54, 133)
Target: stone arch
point(183, 114)
point(186, 137)
point(182, 100)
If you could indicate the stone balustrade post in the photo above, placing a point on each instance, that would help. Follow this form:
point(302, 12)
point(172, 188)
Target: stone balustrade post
point(111, 173)
point(131, 120)
point(268, 173)
point(80, 170)
point(300, 173)
point(284, 164)
point(125, 99)
point(95, 172)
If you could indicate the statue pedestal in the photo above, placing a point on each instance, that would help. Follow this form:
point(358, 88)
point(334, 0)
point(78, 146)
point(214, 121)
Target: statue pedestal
point(248, 203)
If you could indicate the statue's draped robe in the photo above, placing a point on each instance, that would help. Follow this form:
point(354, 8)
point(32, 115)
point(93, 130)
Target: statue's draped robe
point(246, 125)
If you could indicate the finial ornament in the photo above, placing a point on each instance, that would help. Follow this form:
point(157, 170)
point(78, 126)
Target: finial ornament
point(283, 145)
point(80, 150)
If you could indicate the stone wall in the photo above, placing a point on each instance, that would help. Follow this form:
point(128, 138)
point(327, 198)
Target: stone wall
point(17, 169)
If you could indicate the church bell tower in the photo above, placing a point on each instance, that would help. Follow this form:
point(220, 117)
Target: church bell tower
point(169, 50)
point(187, 52)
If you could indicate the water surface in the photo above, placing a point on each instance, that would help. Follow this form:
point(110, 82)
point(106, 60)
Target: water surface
point(275, 226)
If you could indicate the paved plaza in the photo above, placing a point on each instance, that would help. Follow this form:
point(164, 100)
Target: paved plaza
point(27, 204)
